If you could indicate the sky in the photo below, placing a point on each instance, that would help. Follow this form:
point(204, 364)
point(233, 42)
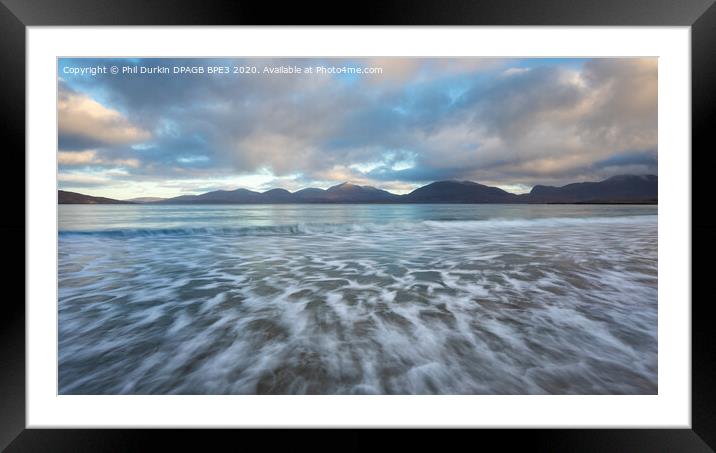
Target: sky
point(399, 124)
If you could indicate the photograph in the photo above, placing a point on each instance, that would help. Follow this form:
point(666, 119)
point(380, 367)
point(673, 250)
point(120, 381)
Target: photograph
point(357, 225)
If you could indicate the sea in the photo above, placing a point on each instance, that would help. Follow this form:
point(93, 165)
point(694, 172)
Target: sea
point(357, 299)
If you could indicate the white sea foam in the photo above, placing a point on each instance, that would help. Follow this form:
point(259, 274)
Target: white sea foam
point(504, 306)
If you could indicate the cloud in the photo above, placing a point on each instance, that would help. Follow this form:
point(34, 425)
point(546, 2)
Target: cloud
point(646, 158)
point(90, 157)
point(398, 71)
point(512, 71)
point(80, 180)
point(76, 158)
point(498, 121)
point(551, 123)
point(84, 123)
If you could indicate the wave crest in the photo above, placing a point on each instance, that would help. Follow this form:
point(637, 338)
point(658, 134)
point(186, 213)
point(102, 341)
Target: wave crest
point(341, 228)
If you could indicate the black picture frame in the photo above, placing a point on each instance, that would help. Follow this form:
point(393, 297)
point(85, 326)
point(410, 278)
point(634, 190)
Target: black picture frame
point(16, 15)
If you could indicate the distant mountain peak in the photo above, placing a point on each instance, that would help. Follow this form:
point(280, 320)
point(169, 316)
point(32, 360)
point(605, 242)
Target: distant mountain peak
point(459, 192)
point(345, 185)
point(616, 189)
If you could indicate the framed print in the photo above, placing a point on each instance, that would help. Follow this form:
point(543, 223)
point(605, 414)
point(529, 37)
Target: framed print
point(478, 221)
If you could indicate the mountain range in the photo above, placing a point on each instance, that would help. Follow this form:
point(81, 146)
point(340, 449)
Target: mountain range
point(617, 189)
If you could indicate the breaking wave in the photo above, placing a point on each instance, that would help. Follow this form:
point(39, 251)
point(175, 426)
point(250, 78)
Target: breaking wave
point(319, 228)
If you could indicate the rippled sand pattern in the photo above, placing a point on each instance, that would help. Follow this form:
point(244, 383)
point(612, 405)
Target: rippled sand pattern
point(544, 306)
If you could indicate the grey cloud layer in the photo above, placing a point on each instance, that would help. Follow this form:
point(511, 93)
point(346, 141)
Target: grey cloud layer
point(486, 120)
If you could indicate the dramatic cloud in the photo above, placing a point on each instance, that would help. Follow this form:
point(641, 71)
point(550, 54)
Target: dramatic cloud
point(85, 123)
point(90, 157)
point(77, 158)
point(512, 123)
